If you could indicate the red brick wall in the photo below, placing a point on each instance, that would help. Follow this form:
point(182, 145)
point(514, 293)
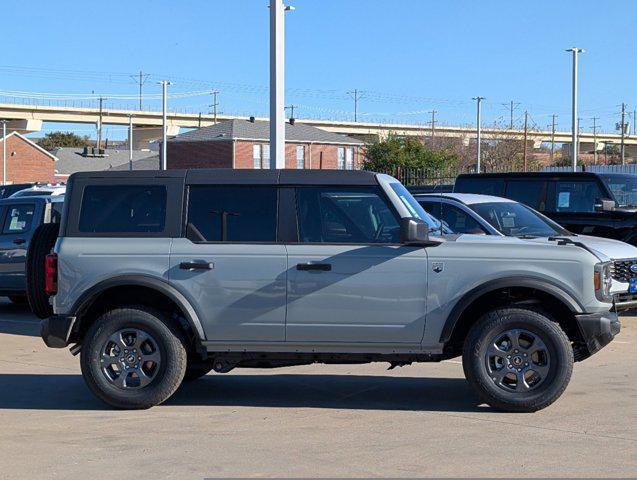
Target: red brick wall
point(218, 154)
point(26, 163)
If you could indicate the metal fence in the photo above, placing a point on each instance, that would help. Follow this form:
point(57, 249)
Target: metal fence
point(412, 176)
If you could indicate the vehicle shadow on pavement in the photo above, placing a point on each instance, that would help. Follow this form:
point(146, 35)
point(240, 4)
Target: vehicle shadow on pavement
point(356, 392)
point(348, 392)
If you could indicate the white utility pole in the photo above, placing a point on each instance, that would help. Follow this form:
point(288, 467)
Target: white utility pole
point(277, 83)
point(623, 132)
point(479, 132)
point(130, 142)
point(574, 126)
point(164, 162)
point(4, 152)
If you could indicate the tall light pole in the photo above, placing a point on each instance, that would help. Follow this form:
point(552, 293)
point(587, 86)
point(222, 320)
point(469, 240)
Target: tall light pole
point(130, 142)
point(574, 125)
point(478, 131)
point(164, 162)
point(4, 152)
point(277, 83)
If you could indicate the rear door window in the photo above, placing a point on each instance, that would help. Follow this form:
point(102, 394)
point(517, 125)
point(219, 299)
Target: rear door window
point(486, 186)
point(577, 196)
point(19, 218)
point(529, 192)
point(123, 209)
point(232, 214)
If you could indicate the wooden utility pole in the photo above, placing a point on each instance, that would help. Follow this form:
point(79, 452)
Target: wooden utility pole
point(623, 132)
point(553, 137)
point(215, 104)
point(526, 136)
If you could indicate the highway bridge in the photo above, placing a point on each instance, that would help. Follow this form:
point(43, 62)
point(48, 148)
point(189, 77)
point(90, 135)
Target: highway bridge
point(147, 126)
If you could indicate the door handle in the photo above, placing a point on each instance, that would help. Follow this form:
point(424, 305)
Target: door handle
point(321, 267)
point(196, 265)
point(19, 241)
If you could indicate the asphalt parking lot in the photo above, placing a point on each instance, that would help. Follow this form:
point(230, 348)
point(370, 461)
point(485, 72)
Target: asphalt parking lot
point(318, 421)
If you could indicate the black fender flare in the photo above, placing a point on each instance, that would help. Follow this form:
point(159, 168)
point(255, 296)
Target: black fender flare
point(542, 285)
point(162, 286)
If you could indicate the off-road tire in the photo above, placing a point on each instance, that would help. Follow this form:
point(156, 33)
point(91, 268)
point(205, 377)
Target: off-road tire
point(474, 359)
point(41, 244)
point(171, 344)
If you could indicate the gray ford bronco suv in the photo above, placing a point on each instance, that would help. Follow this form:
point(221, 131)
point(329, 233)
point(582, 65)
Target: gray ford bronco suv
point(157, 277)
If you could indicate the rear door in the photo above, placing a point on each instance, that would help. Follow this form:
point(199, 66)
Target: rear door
point(349, 278)
point(572, 205)
point(18, 221)
point(230, 264)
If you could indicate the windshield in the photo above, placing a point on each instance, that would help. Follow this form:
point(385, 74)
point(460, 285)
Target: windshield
point(416, 210)
point(623, 188)
point(516, 220)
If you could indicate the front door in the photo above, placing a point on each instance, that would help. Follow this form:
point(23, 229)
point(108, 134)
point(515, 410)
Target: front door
point(230, 265)
point(17, 223)
point(349, 278)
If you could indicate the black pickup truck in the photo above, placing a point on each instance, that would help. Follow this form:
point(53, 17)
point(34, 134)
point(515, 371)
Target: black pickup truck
point(599, 204)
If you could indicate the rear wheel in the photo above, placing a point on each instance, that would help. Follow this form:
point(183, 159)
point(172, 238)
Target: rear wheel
point(40, 246)
point(517, 359)
point(133, 358)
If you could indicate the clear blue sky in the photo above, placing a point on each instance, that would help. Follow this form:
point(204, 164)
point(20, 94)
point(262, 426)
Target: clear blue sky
point(409, 56)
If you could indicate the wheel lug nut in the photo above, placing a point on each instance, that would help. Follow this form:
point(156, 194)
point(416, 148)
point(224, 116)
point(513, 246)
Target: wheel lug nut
point(515, 351)
point(526, 364)
point(519, 369)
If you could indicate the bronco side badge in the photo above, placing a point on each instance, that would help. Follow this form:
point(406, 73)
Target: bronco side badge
point(438, 267)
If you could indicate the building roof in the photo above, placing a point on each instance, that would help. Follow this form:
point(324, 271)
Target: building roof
point(260, 130)
point(71, 160)
point(148, 163)
point(33, 144)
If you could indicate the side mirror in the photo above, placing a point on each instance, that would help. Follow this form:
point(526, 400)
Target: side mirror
point(605, 205)
point(414, 231)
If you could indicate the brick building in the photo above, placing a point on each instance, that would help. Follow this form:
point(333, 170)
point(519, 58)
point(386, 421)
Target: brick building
point(26, 161)
point(245, 144)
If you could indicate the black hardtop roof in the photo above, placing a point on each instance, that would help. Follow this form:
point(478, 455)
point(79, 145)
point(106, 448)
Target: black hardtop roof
point(530, 175)
point(244, 176)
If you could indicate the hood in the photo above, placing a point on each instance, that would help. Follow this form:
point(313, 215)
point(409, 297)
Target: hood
point(604, 247)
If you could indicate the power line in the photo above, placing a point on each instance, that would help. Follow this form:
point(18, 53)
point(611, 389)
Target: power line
point(140, 80)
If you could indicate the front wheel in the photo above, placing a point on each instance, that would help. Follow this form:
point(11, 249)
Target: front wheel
point(518, 360)
point(133, 358)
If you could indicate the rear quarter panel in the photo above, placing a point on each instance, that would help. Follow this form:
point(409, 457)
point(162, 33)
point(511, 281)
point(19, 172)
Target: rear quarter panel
point(85, 262)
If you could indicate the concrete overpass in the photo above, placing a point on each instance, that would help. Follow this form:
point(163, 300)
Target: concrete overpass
point(147, 126)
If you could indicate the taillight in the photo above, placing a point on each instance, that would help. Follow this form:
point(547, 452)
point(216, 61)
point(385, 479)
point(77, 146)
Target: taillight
point(51, 274)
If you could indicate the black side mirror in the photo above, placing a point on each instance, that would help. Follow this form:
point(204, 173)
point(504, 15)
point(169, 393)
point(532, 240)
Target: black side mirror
point(605, 205)
point(414, 231)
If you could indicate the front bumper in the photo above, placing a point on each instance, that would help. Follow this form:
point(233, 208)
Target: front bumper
point(597, 330)
point(56, 330)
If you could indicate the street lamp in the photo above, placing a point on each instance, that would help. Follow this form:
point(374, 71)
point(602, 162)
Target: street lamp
point(277, 82)
point(164, 161)
point(478, 131)
point(574, 126)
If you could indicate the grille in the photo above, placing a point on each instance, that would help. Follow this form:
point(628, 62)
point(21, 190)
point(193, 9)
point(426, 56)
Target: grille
point(620, 270)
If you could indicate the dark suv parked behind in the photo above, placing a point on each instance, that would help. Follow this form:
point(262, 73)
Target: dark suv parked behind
point(603, 205)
